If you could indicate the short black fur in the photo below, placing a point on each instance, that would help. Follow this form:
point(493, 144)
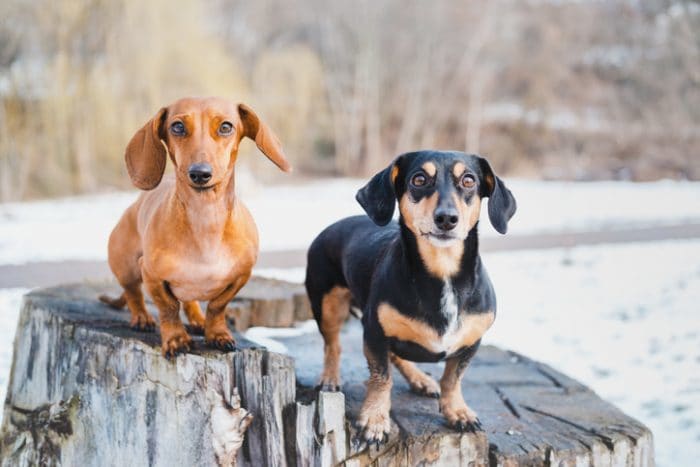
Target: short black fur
point(380, 262)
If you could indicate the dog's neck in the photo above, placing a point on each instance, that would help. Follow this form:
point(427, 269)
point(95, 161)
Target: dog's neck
point(207, 213)
point(455, 263)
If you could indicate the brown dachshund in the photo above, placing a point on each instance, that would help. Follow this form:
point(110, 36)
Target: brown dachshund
point(188, 238)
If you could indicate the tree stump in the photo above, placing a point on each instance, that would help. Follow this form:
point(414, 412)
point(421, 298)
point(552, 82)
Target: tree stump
point(87, 390)
point(270, 303)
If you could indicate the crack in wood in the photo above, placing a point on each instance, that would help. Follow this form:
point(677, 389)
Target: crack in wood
point(607, 441)
point(507, 402)
point(549, 376)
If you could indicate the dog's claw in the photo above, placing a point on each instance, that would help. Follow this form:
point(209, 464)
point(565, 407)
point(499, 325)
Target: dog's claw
point(326, 387)
point(224, 346)
point(468, 427)
point(357, 442)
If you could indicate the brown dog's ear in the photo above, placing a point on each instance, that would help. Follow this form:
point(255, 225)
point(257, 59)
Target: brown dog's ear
point(145, 154)
point(264, 138)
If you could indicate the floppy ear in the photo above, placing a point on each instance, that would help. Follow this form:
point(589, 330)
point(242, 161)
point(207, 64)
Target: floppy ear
point(378, 196)
point(264, 138)
point(145, 154)
point(502, 204)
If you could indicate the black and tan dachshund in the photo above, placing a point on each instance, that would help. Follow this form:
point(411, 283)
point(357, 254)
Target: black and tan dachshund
point(424, 294)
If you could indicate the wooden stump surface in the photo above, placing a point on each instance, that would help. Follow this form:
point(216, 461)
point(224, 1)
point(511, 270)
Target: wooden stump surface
point(84, 387)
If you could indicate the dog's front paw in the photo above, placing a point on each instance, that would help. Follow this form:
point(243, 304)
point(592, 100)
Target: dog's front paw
point(458, 415)
point(221, 339)
point(329, 382)
point(143, 322)
point(373, 426)
point(175, 341)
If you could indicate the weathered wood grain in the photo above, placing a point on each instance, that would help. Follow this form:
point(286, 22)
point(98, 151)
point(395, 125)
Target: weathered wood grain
point(269, 302)
point(531, 413)
point(86, 390)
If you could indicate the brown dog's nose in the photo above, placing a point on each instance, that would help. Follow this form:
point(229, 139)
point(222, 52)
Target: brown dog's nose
point(446, 219)
point(200, 174)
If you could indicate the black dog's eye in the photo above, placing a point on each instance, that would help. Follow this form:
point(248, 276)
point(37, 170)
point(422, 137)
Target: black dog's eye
point(177, 128)
point(418, 180)
point(468, 181)
point(226, 128)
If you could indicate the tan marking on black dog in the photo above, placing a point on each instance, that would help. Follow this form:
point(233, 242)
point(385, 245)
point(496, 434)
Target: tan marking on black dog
point(374, 418)
point(452, 404)
point(400, 326)
point(470, 329)
point(394, 174)
point(335, 307)
point(440, 261)
point(458, 169)
point(429, 168)
point(490, 183)
point(420, 382)
point(467, 211)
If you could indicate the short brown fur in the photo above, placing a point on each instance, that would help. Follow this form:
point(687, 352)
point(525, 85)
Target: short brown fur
point(335, 308)
point(187, 243)
point(420, 382)
point(374, 415)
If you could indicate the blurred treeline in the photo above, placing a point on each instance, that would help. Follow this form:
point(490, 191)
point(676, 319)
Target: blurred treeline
point(551, 89)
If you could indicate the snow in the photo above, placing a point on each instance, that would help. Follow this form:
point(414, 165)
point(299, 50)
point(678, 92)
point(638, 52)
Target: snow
point(78, 228)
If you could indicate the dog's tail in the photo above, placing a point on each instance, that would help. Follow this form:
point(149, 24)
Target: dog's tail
point(116, 303)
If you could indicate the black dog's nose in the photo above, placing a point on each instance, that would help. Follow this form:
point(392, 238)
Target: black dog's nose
point(200, 174)
point(446, 219)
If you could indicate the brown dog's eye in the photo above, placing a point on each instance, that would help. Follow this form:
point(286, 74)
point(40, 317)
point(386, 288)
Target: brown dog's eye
point(226, 128)
point(468, 181)
point(177, 128)
point(418, 180)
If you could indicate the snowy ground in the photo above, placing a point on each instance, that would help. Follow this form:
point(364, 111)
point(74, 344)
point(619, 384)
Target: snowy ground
point(623, 319)
point(78, 228)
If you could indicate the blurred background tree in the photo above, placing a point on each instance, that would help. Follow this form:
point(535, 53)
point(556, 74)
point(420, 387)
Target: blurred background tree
point(547, 89)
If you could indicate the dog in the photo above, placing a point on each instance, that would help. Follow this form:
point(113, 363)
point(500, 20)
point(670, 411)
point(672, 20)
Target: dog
point(423, 291)
point(188, 237)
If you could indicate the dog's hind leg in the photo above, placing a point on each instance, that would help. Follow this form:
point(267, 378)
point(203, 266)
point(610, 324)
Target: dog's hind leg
point(194, 316)
point(141, 320)
point(335, 308)
point(125, 262)
point(420, 382)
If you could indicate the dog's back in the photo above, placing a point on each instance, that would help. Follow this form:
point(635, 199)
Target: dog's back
point(345, 255)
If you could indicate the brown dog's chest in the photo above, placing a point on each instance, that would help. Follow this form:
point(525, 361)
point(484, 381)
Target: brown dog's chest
point(195, 276)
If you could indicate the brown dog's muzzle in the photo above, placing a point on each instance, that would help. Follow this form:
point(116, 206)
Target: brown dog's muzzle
point(200, 173)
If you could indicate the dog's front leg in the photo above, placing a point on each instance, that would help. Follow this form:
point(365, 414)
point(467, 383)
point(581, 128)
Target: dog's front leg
point(373, 421)
point(173, 336)
point(452, 405)
point(216, 333)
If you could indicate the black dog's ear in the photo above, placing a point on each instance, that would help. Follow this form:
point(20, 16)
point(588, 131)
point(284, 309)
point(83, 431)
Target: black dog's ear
point(502, 204)
point(378, 197)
